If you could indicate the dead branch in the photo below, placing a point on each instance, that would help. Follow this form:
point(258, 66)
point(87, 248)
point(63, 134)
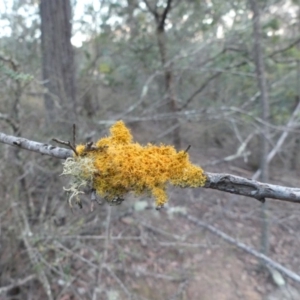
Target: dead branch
point(41, 148)
point(17, 283)
point(290, 124)
point(223, 182)
point(244, 247)
point(68, 143)
point(251, 188)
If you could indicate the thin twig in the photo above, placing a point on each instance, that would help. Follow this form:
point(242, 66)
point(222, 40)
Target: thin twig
point(74, 135)
point(105, 255)
point(244, 247)
point(281, 140)
point(187, 149)
point(32, 253)
point(68, 143)
point(118, 280)
point(17, 283)
point(9, 121)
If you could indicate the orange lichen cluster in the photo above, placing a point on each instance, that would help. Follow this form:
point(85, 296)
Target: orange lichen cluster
point(123, 166)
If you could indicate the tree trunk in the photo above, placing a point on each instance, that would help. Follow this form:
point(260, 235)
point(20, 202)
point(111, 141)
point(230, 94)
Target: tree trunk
point(160, 19)
point(58, 60)
point(169, 85)
point(262, 85)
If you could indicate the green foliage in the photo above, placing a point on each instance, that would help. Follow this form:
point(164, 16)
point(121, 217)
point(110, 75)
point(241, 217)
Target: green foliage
point(16, 76)
point(294, 53)
point(273, 24)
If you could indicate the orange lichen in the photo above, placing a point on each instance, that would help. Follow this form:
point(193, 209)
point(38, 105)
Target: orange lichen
point(80, 149)
point(123, 166)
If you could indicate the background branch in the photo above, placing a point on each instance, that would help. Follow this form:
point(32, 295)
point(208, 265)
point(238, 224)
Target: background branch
point(267, 260)
point(17, 283)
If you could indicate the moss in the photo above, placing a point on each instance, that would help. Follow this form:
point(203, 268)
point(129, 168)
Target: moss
point(117, 166)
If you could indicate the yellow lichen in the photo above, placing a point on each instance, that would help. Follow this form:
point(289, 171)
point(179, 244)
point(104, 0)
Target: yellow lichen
point(80, 149)
point(120, 166)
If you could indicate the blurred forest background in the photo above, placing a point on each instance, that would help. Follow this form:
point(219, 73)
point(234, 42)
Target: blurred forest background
point(221, 76)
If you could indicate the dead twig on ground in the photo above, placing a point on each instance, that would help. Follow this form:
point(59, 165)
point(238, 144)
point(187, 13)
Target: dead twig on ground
point(267, 260)
point(17, 283)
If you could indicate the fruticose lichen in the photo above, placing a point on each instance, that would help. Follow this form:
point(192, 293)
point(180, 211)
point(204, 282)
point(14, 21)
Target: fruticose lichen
point(115, 166)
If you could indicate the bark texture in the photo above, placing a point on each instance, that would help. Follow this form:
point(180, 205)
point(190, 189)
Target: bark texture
point(41, 148)
point(265, 107)
point(58, 59)
point(162, 40)
point(223, 182)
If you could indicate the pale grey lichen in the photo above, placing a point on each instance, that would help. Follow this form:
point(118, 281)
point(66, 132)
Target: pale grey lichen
point(81, 170)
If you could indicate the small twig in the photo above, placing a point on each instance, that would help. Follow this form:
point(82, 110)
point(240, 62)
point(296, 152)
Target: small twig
point(281, 140)
point(102, 263)
point(294, 276)
point(9, 121)
point(118, 280)
point(68, 143)
point(187, 149)
point(14, 64)
point(33, 253)
point(90, 146)
point(94, 199)
point(17, 283)
point(74, 135)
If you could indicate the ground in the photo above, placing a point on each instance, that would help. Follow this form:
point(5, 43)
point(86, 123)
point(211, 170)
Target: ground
point(186, 262)
point(160, 255)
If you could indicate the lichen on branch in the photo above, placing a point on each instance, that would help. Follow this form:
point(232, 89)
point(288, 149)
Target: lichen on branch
point(116, 165)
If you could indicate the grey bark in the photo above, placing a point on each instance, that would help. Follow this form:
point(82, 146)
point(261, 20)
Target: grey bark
point(41, 148)
point(162, 39)
point(58, 60)
point(223, 182)
point(251, 188)
point(262, 85)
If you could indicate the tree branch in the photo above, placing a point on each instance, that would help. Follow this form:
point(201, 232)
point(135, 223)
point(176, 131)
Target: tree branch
point(159, 18)
point(152, 10)
point(161, 25)
point(294, 43)
point(250, 188)
point(41, 148)
point(223, 182)
point(208, 80)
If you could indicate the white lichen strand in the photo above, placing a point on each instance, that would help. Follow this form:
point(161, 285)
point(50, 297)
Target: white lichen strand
point(81, 170)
